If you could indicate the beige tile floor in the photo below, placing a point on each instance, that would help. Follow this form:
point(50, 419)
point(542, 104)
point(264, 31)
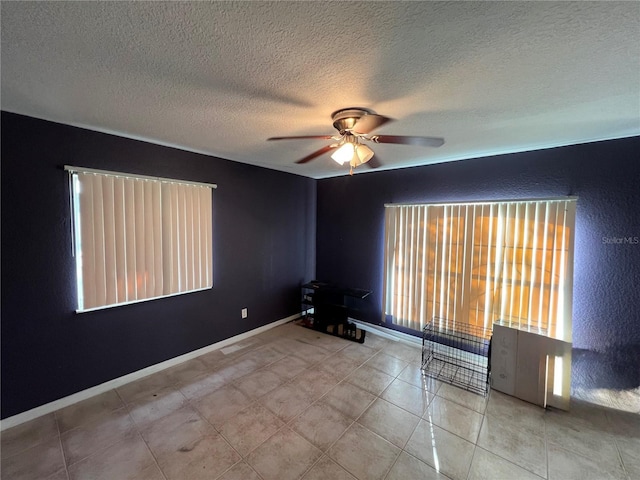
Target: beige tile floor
point(292, 403)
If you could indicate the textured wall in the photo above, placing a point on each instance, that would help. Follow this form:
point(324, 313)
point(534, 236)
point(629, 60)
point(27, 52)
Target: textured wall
point(264, 247)
point(604, 175)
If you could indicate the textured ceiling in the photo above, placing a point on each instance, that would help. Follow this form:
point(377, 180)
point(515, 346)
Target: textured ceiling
point(220, 78)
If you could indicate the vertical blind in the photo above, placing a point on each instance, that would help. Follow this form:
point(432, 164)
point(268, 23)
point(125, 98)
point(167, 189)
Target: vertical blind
point(139, 238)
point(482, 262)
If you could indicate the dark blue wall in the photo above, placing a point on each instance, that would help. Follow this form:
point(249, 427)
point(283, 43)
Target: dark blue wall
point(605, 176)
point(264, 248)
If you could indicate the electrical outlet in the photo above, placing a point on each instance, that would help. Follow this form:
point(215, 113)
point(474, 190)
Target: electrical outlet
point(244, 313)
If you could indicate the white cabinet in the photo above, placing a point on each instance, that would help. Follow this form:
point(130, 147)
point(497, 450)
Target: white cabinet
point(530, 366)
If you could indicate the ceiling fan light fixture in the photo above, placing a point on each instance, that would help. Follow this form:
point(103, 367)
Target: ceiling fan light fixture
point(344, 154)
point(363, 153)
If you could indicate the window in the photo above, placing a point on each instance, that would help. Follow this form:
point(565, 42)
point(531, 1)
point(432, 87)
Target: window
point(138, 238)
point(478, 263)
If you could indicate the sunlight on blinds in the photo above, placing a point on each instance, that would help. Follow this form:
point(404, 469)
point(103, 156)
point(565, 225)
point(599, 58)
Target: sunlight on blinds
point(481, 262)
point(138, 239)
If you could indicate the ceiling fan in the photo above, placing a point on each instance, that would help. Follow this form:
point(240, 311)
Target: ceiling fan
point(354, 126)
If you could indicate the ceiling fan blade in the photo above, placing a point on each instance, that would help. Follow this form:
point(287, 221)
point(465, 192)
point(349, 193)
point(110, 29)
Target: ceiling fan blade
point(323, 137)
point(317, 153)
point(368, 123)
point(374, 162)
point(406, 140)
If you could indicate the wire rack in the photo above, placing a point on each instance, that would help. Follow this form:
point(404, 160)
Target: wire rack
point(457, 353)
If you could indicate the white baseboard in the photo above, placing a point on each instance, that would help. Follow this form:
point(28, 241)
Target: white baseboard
point(131, 377)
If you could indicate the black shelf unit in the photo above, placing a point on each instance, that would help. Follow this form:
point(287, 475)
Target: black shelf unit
point(307, 302)
point(325, 309)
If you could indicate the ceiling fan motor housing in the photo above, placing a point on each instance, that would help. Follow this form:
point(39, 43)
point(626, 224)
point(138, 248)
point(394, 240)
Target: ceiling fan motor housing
point(346, 118)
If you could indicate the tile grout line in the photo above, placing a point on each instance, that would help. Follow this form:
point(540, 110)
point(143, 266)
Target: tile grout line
point(475, 445)
point(615, 440)
point(475, 449)
point(546, 447)
point(155, 459)
point(64, 457)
